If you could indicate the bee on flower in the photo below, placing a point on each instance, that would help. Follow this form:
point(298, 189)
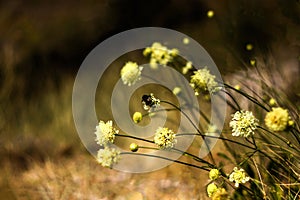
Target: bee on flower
point(149, 102)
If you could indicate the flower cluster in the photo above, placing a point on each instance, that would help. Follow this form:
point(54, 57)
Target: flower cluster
point(220, 194)
point(164, 138)
point(160, 54)
point(108, 156)
point(243, 123)
point(203, 81)
point(150, 102)
point(214, 174)
point(211, 189)
point(105, 133)
point(277, 119)
point(130, 73)
point(238, 176)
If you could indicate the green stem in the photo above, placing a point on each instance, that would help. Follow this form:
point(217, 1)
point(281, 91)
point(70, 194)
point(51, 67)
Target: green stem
point(280, 138)
point(202, 135)
point(216, 137)
point(247, 96)
point(134, 137)
point(169, 159)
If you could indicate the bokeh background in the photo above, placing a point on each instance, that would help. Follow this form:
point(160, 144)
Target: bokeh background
point(43, 44)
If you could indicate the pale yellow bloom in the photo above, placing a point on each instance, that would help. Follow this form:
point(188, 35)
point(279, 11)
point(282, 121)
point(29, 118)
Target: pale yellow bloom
point(277, 119)
point(214, 174)
point(252, 62)
point(105, 133)
point(108, 156)
point(249, 47)
point(164, 138)
point(211, 189)
point(243, 123)
point(220, 194)
point(238, 176)
point(133, 147)
point(160, 54)
point(176, 90)
point(237, 87)
point(203, 81)
point(130, 73)
point(186, 40)
point(272, 102)
point(137, 117)
point(210, 13)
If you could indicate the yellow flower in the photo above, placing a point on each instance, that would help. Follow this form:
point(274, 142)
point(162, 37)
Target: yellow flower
point(160, 54)
point(238, 176)
point(249, 47)
point(130, 73)
point(220, 194)
point(164, 138)
point(237, 87)
point(176, 90)
point(210, 13)
point(211, 189)
point(105, 133)
point(243, 123)
point(133, 147)
point(272, 102)
point(137, 117)
point(108, 156)
point(252, 62)
point(186, 40)
point(214, 174)
point(277, 119)
point(203, 81)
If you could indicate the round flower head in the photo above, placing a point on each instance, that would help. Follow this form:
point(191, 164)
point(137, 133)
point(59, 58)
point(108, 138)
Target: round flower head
point(130, 73)
point(211, 189)
point(150, 102)
point(164, 138)
point(108, 156)
point(277, 119)
point(134, 147)
point(243, 123)
point(220, 194)
point(160, 54)
point(137, 117)
point(238, 176)
point(203, 81)
point(214, 174)
point(105, 133)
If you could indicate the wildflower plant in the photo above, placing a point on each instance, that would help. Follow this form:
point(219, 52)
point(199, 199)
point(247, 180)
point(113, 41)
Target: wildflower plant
point(265, 162)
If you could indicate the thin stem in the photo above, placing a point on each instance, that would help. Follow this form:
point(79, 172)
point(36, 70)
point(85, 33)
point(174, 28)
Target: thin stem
point(216, 137)
point(202, 135)
point(247, 96)
point(134, 137)
point(279, 137)
point(165, 158)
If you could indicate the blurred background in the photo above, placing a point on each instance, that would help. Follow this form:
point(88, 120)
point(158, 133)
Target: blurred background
point(43, 44)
